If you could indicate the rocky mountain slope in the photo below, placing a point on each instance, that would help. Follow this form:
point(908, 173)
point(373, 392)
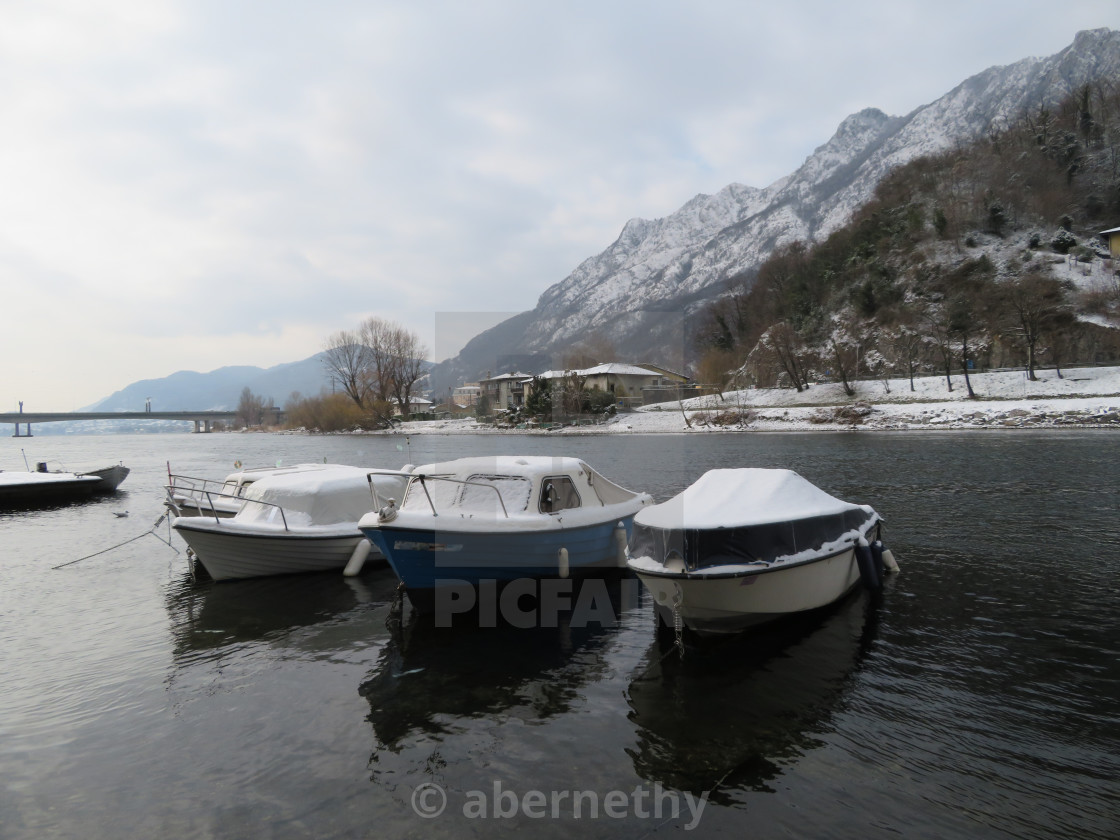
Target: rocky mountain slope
point(642, 289)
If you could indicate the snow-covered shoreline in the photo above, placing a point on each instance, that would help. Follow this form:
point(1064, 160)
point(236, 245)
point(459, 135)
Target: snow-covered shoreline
point(1081, 398)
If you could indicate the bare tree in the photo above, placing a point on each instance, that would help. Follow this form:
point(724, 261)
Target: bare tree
point(378, 363)
point(780, 349)
point(906, 346)
point(404, 365)
point(937, 328)
point(378, 336)
point(964, 324)
point(1032, 302)
point(250, 409)
point(843, 350)
point(791, 352)
point(347, 360)
point(1058, 333)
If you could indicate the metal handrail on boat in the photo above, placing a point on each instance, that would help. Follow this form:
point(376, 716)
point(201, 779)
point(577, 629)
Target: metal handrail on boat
point(191, 498)
point(373, 487)
point(188, 485)
point(211, 510)
point(423, 479)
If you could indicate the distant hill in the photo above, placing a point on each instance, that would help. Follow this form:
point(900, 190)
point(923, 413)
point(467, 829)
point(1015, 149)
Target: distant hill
point(188, 390)
point(219, 390)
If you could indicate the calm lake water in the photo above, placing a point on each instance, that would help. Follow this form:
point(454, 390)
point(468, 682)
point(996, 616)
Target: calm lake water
point(979, 697)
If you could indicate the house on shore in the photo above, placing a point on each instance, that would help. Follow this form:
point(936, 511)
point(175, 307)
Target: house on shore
point(629, 385)
point(627, 382)
point(1112, 239)
point(466, 395)
point(507, 390)
point(416, 405)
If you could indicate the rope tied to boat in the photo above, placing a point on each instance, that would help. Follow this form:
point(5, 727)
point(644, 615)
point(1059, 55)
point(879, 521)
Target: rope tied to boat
point(678, 622)
point(151, 531)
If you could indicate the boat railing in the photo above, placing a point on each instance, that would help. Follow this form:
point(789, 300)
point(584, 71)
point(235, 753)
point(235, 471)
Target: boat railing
point(195, 503)
point(180, 497)
point(373, 487)
point(189, 485)
point(424, 479)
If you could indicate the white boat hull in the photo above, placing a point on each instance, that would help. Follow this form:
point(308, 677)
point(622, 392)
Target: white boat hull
point(728, 603)
point(231, 554)
point(111, 477)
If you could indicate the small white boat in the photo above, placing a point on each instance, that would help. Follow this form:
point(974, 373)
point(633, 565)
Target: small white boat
point(503, 518)
point(299, 521)
point(20, 489)
point(191, 496)
point(32, 489)
point(744, 546)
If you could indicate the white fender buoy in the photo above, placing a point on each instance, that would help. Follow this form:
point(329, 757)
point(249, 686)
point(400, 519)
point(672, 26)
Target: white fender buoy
point(357, 559)
point(889, 561)
point(562, 561)
point(620, 545)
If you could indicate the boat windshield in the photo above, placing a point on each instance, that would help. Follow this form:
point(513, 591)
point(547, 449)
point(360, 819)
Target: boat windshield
point(702, 548)
point(477, 494)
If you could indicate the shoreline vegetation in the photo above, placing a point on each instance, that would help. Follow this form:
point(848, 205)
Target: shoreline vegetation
point(1079, 398)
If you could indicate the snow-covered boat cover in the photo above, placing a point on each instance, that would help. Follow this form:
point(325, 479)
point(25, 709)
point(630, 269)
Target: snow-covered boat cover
point(746, 496)
point(29, 479)
point(327, 496)
point(746, 515)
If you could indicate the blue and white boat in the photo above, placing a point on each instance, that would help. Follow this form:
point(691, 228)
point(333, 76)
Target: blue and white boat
point(503, 518)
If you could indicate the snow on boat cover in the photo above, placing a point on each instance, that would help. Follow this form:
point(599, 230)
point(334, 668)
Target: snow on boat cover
point(748, 515)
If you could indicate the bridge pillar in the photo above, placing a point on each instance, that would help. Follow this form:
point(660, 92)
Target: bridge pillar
point(196, 428)
point(17, 434)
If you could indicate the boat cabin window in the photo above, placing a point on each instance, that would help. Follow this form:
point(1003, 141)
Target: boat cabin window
point(558, 493)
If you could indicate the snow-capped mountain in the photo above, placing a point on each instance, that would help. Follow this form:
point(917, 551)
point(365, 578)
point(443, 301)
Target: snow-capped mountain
point(640, 290)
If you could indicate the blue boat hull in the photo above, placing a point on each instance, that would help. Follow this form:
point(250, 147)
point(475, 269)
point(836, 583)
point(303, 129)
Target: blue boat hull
point(426, 559)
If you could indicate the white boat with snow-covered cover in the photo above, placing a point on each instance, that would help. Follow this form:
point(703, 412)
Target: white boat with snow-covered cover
point(191, 496)
point(740, 547)
point(301, 521)
point(46, 486)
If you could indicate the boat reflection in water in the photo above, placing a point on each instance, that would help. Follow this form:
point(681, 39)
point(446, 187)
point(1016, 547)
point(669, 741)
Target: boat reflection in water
point(730, 713)
point(429, 679)
point(206, 617)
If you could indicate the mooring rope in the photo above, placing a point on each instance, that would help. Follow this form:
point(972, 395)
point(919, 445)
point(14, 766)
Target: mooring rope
point(151, 531)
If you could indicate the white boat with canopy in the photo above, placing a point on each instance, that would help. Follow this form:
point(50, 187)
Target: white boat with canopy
point(300, 521)
point(740, 547)
point(192, 496)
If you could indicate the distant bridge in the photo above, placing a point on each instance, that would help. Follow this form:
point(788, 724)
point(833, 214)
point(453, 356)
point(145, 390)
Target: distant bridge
point(201, 419)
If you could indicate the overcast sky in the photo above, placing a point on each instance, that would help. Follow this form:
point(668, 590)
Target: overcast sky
point(186, 184)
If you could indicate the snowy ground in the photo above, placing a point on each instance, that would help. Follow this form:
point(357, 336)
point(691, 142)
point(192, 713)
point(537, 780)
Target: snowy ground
point(1083, 397)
